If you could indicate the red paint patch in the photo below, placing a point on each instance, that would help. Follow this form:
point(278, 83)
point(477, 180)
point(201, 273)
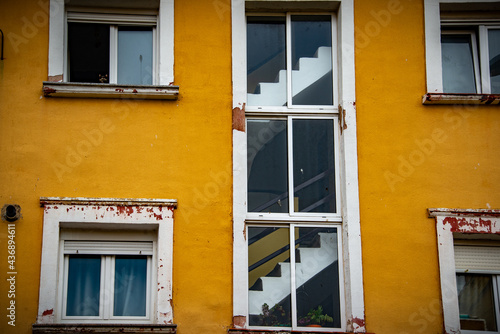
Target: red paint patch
point(239, 118)
point(469, 225)
point(48, 312)
point(359, 322)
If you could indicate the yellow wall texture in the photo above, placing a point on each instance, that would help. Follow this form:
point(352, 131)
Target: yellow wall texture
point(145, 149)
point(411, 157)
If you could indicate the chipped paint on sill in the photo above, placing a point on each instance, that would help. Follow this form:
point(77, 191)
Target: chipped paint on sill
point(447, 98)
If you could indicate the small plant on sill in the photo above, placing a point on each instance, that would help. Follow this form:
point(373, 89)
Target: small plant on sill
point(315, 317)
point(275, 316)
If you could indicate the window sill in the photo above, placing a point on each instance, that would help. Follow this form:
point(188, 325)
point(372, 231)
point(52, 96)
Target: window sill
point(101, 328)
point(479, 99)
point(281, 331)
point(109, 91)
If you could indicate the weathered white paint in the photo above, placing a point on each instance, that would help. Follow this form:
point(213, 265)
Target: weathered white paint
point(109, 91)
point(449, 221)
point(93, 214)
point(441, 98)
point(353, 318)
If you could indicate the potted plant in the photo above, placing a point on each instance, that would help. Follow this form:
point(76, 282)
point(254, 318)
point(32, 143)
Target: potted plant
point(315, 318)
point(275, 316)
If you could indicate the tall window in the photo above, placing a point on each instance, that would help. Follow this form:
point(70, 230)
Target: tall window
point(292, 173)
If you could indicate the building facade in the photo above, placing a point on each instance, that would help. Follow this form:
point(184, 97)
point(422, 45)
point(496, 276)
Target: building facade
point(150, 150)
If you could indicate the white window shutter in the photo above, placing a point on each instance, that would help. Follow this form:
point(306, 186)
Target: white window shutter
point(477, 258)
point(108, 247)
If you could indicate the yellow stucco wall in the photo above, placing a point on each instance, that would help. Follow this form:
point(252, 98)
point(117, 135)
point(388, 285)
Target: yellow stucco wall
point(451, 159)
point(411, 157)
point(149, 149)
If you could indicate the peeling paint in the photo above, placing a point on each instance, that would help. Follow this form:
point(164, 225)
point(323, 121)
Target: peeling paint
point(470, 225)
point(48, 312)
point(239, 321)
point(239, 118)
point(55, 78)
point(359, 322)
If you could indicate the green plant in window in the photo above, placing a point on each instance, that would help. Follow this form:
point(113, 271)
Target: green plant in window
point(275, 316)
point(315, 317)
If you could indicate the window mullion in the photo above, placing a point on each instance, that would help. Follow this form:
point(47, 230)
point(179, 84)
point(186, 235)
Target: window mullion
point(291, 194)
point(288, 41)
point(293, 296)
point(113, 54)
point(484, 61)
point(106, 287)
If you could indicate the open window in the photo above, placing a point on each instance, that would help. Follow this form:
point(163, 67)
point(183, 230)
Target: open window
point(111, 49)
point(462, 52)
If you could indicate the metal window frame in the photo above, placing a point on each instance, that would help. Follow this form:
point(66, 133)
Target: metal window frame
point(291, 215)
point(290, 108)
point(293, 306)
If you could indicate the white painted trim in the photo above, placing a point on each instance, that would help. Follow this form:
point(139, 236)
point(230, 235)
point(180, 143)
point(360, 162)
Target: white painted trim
point(354, 317)
point(93, 214)
point(56, 38)
point(165, 37)
point(449, 221)
point(166, 42)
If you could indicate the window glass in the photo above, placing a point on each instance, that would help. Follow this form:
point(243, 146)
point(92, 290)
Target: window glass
point(476, 302)
point(313, 165)
point(135, 55)
point(312, 60)
point(130, 286)
point(88, 52)
point(494, 57)
point(267, 166)
point(458, 64)
point(316, 277)
point(266, 61)
point(269, 276)
point(84, 284)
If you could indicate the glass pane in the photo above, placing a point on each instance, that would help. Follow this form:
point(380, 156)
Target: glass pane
point(135, 56)
point(130, 285)
point(476, 302)
point(88, 52)
point(269, 276)
point(312, 60)
point(494, 50)
point(317, 277)
point(267, 166)
point(313, 165)
point(458, 64)
point(84, 283)
point(266, 61)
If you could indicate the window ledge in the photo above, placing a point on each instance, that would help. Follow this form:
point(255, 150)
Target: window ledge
point(109, 91)
point(101, 328)
point(445, 98)
point(281, 331)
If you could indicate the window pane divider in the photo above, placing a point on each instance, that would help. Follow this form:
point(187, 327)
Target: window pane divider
point(293, 289)
point(484, 60)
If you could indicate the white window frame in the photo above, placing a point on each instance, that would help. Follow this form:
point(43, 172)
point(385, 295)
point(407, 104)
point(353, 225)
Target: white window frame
point(293, 305)
point(301, 216)
point(475, 222)
point(165, 41)
point(434, 70)
point(290, 108)
point(92, 219)
point(113, 20)
point(348, 219)
point(107, 254)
